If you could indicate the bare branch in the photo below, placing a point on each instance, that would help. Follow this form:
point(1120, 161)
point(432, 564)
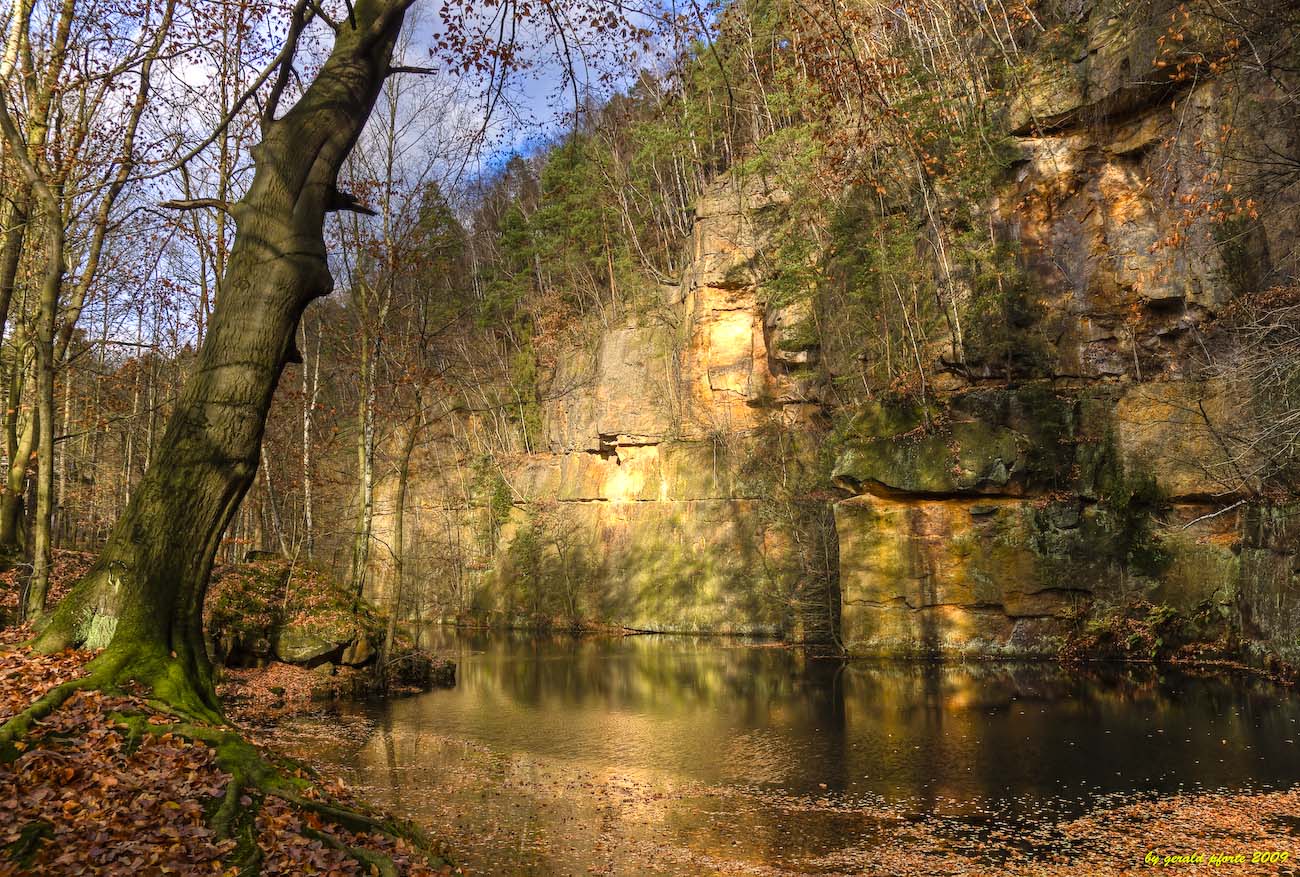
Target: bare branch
point(406, 68)
point(297, 24)
point(199, 204)
point(1223, 511)
point(320, 13)
point(346, 201)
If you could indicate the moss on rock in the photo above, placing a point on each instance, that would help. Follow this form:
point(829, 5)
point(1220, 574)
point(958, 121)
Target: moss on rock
point(272, 606)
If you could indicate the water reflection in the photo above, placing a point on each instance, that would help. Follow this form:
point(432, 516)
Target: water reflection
point(551, 748)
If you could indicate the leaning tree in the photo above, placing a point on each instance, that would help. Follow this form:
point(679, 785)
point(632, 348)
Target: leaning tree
point(142, 601)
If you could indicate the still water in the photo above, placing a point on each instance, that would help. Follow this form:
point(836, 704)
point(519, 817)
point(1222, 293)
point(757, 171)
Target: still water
point(691, 756)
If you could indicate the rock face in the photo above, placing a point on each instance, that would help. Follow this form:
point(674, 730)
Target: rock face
point(637, 511)
point(1116, 158)
point(1033, 507)
point(306, 644)
point(987, 519)
point(1031, 513)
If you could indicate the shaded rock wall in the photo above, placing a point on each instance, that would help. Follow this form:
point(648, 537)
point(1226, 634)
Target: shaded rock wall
point(1032, 510)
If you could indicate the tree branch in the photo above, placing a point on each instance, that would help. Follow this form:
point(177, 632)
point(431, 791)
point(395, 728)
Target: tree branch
point(407, 68)
point(320, 13)
point(199, 204)
point(1222, 511)
point(302, 12)
point(346, 201)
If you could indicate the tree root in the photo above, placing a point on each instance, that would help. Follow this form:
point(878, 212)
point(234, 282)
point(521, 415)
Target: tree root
point(223, 820)
point(252, 772)
point(101, 676)
point(352, 820)
point(365, 858)
point(19, 725)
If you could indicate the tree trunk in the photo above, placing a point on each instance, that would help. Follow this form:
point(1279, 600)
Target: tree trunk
point(63, 514)
point(308, 414)
point(277, 523)
point(399, 542)
point(51, 287)
point(365, 470)
point(21, 446)
point(11, 251)
point(143, 598)
point(96, 476)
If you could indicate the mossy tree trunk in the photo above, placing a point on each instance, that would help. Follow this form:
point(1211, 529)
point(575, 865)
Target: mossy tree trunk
point(143, 598)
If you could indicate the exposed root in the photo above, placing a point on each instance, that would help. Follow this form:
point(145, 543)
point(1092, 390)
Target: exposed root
point(365, 858)
point(354, 820)
point(266, 814)
point(102, 672)
point(18, 726)
point(223, 820)
point(251, 770)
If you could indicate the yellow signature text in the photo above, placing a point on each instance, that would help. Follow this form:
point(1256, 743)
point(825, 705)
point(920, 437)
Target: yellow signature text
point(1256, 857)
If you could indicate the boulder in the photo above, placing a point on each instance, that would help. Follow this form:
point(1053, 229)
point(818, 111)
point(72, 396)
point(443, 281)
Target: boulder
point(359, 651)
point(298, 644)
point(422, 670)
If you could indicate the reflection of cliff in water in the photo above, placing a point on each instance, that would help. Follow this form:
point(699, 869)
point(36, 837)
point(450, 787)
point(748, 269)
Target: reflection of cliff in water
point(757, 754)
point(723, 711)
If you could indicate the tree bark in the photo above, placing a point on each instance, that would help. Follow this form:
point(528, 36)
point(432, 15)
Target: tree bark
point(21, 445)
point(365, 469)
point(277, 523)
point(51, 286)
point(11, 251)
point(63, 516)
point(309, 397)
point(399, 540)
point(143, 598)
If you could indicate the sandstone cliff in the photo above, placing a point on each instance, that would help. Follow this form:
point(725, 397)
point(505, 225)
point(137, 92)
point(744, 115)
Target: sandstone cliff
point(997, 514)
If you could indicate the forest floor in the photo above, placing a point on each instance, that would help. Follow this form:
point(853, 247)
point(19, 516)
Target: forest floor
point(86, 794)
point(68, 568)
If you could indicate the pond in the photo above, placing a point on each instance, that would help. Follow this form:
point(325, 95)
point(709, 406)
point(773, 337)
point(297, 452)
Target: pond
point(676, 755)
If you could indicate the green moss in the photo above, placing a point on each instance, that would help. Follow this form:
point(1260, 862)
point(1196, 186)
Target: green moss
point(1237, 239)
point(30, 838)
point(251, 605)
point(1088, 548)
point(1132, 502)
point(1142, 630)
point(990, 440)
point(920, 449)
point(1003, 316)
point(737, 276)
point(490, 490)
